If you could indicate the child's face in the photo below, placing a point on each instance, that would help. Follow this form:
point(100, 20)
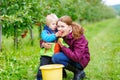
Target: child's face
point(52, 25)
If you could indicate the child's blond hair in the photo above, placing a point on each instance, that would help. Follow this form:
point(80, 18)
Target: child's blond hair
point(50, 18)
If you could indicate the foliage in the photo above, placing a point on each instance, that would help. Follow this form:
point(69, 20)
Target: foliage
point(16, 13)
point(24, 13)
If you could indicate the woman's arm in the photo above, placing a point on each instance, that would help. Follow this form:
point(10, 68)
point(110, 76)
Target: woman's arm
point(77, 51)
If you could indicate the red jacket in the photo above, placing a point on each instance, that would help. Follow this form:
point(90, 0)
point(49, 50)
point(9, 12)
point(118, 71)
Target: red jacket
point(78, 50)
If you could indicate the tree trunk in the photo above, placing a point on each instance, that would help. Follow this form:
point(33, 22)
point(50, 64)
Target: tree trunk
point(15, 37)
point(31, 35)
point(0, 38)
point(40, 29)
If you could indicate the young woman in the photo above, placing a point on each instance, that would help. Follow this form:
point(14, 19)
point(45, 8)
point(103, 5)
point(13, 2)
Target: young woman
point(75, 57)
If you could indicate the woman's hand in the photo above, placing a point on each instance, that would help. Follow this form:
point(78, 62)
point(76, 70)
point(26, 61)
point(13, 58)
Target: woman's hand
point(60, 43)
point(47, 45)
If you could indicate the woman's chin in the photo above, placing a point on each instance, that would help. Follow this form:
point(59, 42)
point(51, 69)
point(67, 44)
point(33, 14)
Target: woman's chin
point(63, 36)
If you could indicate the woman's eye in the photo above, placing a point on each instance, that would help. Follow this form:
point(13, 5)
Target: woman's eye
point(62, 26)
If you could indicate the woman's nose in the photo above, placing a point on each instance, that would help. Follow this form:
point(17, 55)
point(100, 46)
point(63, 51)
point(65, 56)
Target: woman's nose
point(58, 29)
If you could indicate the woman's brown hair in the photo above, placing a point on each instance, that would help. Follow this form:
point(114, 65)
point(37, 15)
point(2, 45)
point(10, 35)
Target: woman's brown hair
point(77, 30)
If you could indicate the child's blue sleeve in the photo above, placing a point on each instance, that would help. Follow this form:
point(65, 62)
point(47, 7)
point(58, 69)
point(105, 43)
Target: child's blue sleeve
point(48, 37)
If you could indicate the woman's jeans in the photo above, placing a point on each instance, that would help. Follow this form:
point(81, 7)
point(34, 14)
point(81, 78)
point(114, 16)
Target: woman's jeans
point(61, 58)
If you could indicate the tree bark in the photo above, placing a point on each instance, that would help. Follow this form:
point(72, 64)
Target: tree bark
point(40, 29)
point(0, 38)
point(31, 35)
point(15, 37)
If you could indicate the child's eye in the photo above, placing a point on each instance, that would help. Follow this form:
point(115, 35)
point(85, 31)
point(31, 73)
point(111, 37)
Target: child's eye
point(53, 24)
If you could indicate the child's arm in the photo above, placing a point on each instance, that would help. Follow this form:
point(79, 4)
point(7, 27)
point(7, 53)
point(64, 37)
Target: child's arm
point(48, 37)
point(45, 44)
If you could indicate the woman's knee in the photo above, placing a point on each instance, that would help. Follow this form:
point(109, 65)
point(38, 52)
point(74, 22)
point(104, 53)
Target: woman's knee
point(60, 58)
point(55, 58)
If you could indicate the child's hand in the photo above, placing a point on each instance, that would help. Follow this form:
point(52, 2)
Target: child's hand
point(58, 34)
point(47, 45)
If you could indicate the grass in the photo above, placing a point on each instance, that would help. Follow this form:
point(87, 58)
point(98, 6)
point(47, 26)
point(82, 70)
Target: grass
point(104, 44)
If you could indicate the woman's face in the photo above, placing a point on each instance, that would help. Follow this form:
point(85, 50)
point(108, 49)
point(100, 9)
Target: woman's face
point(64, 28)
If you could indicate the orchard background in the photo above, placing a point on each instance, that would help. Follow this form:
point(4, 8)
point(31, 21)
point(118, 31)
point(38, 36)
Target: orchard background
point(21, 22)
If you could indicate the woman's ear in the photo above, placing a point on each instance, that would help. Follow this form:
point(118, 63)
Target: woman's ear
point(70, 28)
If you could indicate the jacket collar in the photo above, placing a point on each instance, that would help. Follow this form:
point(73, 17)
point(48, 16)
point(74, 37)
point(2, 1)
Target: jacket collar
point(69, 36)
point(49, 30)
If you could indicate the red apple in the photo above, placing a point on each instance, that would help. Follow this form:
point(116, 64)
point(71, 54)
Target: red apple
point(23, 35)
